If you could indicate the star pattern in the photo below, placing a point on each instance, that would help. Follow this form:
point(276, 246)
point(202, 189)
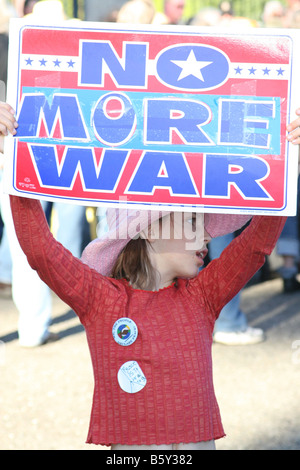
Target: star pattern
point(71, 63)
point(267, 71)
point(50, 63)
point(191, 66)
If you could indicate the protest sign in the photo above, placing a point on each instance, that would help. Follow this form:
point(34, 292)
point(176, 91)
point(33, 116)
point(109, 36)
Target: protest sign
point(112, 114)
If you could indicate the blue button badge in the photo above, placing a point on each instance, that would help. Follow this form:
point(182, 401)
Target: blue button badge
point(125, 331)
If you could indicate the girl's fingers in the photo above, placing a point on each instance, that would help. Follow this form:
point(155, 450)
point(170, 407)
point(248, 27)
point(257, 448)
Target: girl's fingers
point(295, 141)
point(293, 125)
point(6, 127)
point(7, 121)
point(293, 130)
point(5, 107)
point(294, 136)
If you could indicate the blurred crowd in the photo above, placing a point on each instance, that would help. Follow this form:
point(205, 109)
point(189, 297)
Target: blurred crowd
point(276, 14)
point(75, 228)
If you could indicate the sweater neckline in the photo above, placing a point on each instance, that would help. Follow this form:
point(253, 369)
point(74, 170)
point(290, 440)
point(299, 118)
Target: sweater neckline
point(162, 289)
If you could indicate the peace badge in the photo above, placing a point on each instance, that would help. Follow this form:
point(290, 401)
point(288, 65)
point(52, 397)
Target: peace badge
point(125, 331)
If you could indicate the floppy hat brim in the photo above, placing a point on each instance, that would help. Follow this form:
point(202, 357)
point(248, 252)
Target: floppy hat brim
point(102, 253)
point(218, 225)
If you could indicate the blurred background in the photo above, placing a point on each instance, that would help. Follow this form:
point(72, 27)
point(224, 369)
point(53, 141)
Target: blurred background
point(94, 9)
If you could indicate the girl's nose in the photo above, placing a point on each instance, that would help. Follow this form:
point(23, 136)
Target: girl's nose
point(207, 237)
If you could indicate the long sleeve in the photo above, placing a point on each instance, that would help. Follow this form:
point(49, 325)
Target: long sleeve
point(226, 276)
point(73, 281)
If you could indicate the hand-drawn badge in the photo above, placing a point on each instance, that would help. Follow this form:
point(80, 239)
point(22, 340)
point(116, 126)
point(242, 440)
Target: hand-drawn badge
point(131, 377)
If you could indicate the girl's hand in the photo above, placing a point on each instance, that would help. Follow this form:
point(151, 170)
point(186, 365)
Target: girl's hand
point(8, 124)
point(294, 130)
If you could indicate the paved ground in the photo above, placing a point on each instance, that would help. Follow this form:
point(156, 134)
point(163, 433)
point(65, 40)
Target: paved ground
point(46, 392)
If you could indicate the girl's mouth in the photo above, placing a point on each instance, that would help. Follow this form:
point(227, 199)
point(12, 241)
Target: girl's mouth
point(201, 254)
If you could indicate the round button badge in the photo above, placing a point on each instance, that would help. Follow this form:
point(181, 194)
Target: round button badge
point(131, 377)
point(125, 331)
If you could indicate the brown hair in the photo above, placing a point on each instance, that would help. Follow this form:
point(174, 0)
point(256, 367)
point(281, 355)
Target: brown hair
point(133, 264)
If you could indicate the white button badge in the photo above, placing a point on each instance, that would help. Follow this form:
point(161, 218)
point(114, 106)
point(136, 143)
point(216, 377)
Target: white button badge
point(125, 331)
point(131, 377)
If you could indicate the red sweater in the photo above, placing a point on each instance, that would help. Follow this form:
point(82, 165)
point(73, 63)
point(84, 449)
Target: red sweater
point(175, 326)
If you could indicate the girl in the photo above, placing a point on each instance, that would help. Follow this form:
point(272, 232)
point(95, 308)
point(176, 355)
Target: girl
point(148, 313)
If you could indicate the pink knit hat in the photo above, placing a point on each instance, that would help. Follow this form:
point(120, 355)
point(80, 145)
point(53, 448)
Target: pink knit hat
point(124, 225)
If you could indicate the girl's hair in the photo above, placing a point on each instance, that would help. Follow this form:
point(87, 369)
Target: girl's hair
point(133, 264)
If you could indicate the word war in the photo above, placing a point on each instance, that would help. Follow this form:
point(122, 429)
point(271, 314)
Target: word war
point(154, 171)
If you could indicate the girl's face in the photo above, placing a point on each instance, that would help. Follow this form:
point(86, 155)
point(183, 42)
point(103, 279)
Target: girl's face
point(179, 249)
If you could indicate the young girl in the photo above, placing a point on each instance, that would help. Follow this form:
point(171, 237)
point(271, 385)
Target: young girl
point(148, 313)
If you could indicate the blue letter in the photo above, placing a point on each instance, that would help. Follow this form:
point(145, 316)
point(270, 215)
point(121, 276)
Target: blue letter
point(163, 170)
point(186, 116)
point(246, 123)
point(243, 172)
point(63, 175)
point(99, 58)
point(63, 107)
point(114, 129)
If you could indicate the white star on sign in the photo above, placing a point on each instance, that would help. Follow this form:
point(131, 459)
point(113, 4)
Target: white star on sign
point(191, 66)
